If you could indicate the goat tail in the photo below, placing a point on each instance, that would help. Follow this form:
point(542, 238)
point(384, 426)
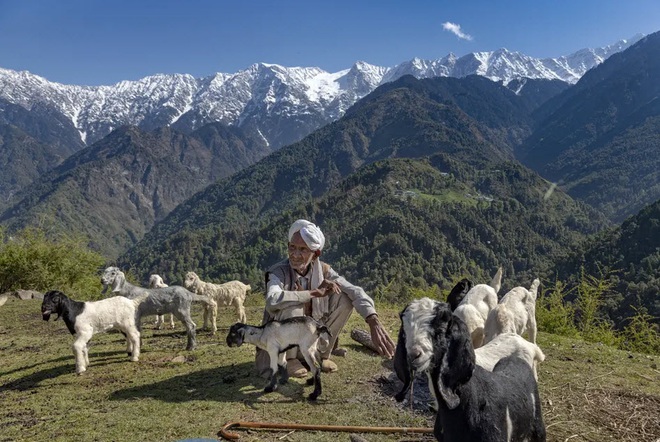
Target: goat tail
point(534, 288)
point(496, 282)
point(539, 356)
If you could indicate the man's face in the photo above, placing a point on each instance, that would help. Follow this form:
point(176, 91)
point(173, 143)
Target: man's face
point(299, 254)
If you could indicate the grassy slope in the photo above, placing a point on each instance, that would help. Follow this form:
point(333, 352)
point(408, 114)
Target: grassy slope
point(589, 392)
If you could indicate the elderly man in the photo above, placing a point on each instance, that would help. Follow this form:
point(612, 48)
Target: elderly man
point(303, 285)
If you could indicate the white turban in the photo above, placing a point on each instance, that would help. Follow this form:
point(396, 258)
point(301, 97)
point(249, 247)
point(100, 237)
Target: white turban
point(310, 233)
point(315, 240)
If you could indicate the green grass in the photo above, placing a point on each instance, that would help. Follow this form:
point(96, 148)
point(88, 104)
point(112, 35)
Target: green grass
point(590, 392)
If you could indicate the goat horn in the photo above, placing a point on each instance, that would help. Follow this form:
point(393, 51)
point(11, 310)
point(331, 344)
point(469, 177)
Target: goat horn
point(228, 435)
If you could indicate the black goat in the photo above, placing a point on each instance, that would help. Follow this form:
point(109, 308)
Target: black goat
point(476, 405)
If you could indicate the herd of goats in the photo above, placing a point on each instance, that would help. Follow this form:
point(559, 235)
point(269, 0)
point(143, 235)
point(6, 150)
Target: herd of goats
point(480, 369)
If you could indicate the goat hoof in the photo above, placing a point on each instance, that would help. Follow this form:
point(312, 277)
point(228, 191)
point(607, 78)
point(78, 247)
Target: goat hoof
point(129, 353)
point(310, 381)
point(399, 397)
point(312, 396)
point(269, 389)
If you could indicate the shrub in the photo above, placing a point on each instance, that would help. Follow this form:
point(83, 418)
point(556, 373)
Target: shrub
point(554, 314)
point(31, 261)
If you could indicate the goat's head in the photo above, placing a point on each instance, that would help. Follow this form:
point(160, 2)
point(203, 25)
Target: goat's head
point(236, 335)
point(414, 348)
point(52, 303)
point(191, 279)
point(112, 277)
point(453, 355)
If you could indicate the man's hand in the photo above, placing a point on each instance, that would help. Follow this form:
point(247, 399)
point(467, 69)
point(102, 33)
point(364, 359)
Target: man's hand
point(379, 337)
point(325, 289)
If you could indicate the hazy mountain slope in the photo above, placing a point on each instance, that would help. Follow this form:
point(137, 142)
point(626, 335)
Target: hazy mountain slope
point(115, 190)
point(22, 159)
point(599, 140)
point(406, 119)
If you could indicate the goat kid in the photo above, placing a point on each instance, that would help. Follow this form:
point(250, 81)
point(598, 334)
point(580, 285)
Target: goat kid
point(515, 313)
point(476, 305)
point(173, 299)
point(85, 319)
point(232, 293)
point(156, 282)
point(276, 337)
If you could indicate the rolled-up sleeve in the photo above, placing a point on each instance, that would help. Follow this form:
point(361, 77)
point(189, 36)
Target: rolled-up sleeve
point(279, 299)
point(362, 302)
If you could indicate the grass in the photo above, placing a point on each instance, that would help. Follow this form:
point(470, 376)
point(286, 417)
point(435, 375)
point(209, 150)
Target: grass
point(590, 392)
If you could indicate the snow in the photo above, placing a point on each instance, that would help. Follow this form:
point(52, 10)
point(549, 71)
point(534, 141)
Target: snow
point(290, 91)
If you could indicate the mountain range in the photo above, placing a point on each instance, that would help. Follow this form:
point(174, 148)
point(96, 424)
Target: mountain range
point(281, 104)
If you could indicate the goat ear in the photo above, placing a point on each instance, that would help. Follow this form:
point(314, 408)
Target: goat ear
point(458, 361)
point(401, 366)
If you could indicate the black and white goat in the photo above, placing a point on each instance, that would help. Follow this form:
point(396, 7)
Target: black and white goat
point(276, 337)
point(85, 319)
point(414, 350)
point(173, 299)
point(475, 405)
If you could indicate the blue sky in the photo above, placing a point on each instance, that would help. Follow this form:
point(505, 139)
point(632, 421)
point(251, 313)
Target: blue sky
point(94, 42)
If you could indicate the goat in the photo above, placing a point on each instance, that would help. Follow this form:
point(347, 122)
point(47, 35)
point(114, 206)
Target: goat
point(476, 305)
point(85, 319)
point(276, 337)
point(229, 293)
point(156, 282)
point(413, 352)
point(173, 299)
point(515, 313)
point(475, 404)
point(457, 294)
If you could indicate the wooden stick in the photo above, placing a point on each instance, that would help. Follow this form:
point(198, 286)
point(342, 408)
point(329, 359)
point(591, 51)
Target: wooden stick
point(226, 434)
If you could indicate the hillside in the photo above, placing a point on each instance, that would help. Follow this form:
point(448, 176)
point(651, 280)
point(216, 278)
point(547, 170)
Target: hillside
point(630, 255)
point(115, 190)
point(232, 228)
point(401, 223)
point(598, 139)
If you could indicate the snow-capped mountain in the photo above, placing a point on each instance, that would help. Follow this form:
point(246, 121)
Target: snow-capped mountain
point(282, 104)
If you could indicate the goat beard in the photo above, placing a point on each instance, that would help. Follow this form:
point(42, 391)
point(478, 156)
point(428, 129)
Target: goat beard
point(46, 315)
point(105, 289)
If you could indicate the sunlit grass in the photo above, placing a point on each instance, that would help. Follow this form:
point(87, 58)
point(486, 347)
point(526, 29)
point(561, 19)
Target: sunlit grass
point(160, 399)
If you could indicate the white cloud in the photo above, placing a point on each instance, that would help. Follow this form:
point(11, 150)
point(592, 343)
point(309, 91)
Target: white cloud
point(456, 30)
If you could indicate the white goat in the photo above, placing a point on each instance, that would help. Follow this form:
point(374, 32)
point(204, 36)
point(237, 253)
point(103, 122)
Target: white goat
point(515, 313)
point(156, 282)
point(276, 337)
point(476, 305)
point(414, 350)
point(230, 293)
point(85, 319)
